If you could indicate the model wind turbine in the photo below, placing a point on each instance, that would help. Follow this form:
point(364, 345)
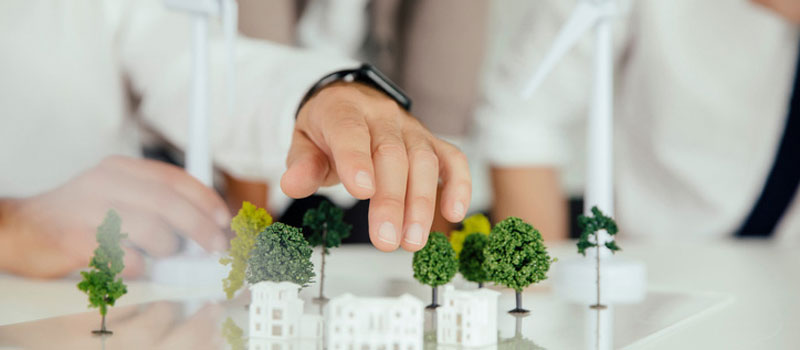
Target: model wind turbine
point(193, 266)
point(624, 281)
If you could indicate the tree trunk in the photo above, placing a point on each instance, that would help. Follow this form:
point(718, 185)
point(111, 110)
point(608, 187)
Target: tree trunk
point(480, 285)
point(321, 298)
point(102, 331)
point(519, 310)
point(434, 298)
point(598, 305)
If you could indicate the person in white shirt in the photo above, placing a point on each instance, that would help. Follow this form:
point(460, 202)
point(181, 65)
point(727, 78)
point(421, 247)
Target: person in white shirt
point(702, 89)
point(69, 144)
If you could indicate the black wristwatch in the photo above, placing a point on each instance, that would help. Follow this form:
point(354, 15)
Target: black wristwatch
point(366, 74)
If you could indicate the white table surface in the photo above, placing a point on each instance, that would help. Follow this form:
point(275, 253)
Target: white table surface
point(759, 281)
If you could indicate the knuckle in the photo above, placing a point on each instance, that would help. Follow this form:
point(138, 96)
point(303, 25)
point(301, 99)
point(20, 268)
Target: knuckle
point(423, 204)
point(393, 201)
point(393, 151)
point(424, 156)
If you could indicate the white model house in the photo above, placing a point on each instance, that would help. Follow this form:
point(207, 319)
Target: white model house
point(467, 317)
point(276, 312)
point(374, 323)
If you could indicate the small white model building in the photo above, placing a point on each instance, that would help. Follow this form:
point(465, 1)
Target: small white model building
point(276, 312)
point(467, 318)
point(284, 344)
point(375, 323)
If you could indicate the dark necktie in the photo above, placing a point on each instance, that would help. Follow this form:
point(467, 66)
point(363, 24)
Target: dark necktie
point(781, 185)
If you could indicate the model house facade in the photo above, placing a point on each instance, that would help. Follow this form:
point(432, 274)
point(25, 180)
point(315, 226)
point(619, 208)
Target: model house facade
point(275, 310)
point(374, 323)
point(467, 318)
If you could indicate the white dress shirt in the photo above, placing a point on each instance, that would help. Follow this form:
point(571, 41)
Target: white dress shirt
point(68, 70)
point(702, 91)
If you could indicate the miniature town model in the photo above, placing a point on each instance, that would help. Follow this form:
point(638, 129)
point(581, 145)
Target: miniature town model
point(374, 323)
point(276, 312)
point(467, 318)
point(477, 223)
point(327, 229)
point(247, 224)
point(280, 254)
point(435, 264)
point(590, 227)
point(516, 257)
point(472, 262)
point(101, 283)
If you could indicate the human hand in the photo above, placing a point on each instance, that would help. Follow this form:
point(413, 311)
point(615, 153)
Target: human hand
point(53, 234)
point(352, 133)
point(789, 9)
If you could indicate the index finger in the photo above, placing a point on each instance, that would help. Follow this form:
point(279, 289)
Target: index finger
point(347, 136)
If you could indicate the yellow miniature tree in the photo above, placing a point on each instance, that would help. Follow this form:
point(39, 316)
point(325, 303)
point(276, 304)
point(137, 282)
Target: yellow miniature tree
point(247, 224)
point(477, 223)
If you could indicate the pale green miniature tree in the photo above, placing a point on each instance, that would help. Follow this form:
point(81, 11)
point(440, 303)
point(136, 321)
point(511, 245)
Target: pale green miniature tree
point(280, 254)
point(516, 257)
point(233, 334)
point(435, 264)
point(247, 224)
point(101, 283)
point(590, 226)
point(327, 229)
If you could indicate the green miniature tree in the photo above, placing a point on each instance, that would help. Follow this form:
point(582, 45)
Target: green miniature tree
point(516, 257)
point(280, 254)
point(247, 224)
point(435, 264)
point(471, 263)
point(327, 229)
point(590, 226)
point(101, 283)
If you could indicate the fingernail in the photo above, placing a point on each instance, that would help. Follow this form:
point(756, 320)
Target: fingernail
point(387, 233)
point(363, 180)
point(414, 234)
point(222, 218)
point(459, 209)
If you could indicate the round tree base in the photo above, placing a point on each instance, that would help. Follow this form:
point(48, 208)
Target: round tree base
point(100, 332)
point(320, 300)
point(432, 307)
point(519, 312)
point(598, 307)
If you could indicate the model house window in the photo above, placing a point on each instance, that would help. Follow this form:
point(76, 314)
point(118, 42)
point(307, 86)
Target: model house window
point(277, 314)
point(277, 331)
point(258, 310)
point(258, 326)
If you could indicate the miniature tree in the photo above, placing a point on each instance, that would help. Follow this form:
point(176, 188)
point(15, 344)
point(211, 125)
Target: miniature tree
point(477, 223)
point(590, 226)
point(435, 264)
point(280, 254)
point(516, 257)
point(233, 334)
point(100, 283)
point(471, 263)
point(247, 224)
point(327, 229)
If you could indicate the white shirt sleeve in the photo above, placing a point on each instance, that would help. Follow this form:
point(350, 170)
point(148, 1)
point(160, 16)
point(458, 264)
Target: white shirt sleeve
point(540, 131)
point(154, 46)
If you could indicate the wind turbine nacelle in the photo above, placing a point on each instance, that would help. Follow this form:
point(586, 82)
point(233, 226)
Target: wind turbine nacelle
point(201, 7)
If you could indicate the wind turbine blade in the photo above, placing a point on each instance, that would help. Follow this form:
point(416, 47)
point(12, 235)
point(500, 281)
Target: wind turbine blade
point(583, 18)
